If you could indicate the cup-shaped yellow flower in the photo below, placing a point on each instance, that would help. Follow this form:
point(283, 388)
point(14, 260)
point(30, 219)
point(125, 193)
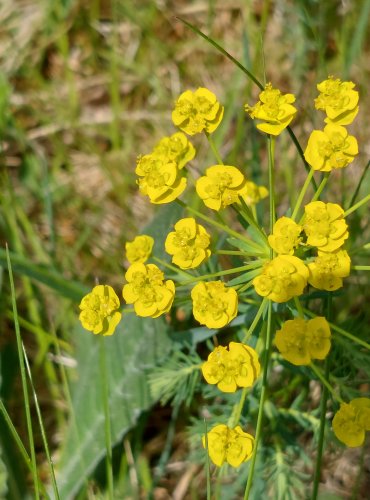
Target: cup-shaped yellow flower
point(325, 226)
point(282, 278)
point(160, 178)
point(197, 111)
point(147, 290)
point(254, 194)
point(299, 341)
point(328, 269)
point(233, 446)
point(274, 109)
point(140, 249)
point(176, 148)
point(188, 244)
point(351, 421)
point(231, 368)
point(285, 237)
point(221, 186)
point(214, 304)
point(338, 100)
point(331, 148)
point(99, 310)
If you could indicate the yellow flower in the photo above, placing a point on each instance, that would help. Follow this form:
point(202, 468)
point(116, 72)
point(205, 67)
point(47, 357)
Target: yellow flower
point(282, 278)
point(274, 109)
point(330, 149)
point(221, 186)
point(328, 269)
point(233, 368)
point(233, 446)
point(351, 421)
point(160, 178)
point(254, 193)
point(338, 100)
point(325, 226)
point(188, 244)
point(214, 304)
point(285, 237)
point(197, 111)
point(299, 340)
point(99, 310)
point(147, 290)
point(139, 249)
point(175, 148)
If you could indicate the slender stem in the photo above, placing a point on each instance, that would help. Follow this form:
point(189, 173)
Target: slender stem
point(360, 183)
point(231, 252)
point(235, 418)
point(173, 268)
point(301, 154)
point(234, 270)
point(321, 186)
point(324, 381)
point(107, 426)
point(357, 205)
point(214, 149)
point(257, 317)
point(299, 307)
point(301, 194)
point(271, 163)
point(360, 268)
point(246, 213)
point(261, 402)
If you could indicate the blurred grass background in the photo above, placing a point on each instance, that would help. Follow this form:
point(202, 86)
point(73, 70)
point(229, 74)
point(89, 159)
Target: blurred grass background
point(85, 87)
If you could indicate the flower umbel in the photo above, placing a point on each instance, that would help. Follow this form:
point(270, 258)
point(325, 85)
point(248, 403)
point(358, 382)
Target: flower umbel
point(214, 304)
point(286, 236)
point(99, 310)
point(274, 109)
point(147, 290)
point(188, 244)
point(139, 249)
point(328, 269)
point(233, 368)
point(325, 226)
point(176, 148)
point(233, 446)
point(300, 340)
point(351, 421)
point(338, 100)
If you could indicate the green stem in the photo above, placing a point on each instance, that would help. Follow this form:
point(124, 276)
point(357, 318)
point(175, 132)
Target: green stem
point(324, 381)
point(107, 426)
point(257, 317)
point(234, 270)
point(321, 186)
point(214, 149)
point(232, 252)
point(177, 270)
point(271, 164)
point(359, 183)
point(261, 402)
point(301, 154)
point(360, 268)
point(301, 194)
point(246, 213)
point(357, 205)
point(238, 408)
point(299, 307)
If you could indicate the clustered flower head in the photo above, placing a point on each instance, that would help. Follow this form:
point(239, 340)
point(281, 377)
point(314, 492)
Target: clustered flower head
point(299, 340)
point(140, 249)
point(197, 111)
point(231, 368)
point(328, 269)
point(233, 446)
point(175, 148)
point(338, 100)
point(274, 109)
point(351, 422)
point(214, 304)
point(188, 244)
point(254, 193)
point(100, 310)
point(325, 226)
point(286, 236)
point(331, 148)
point(282, 278)
point(147, 290)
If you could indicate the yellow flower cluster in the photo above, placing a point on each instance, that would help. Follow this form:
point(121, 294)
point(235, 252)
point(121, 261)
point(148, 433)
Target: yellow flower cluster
point(188, 244)
point(160, 172)
point(233, 446)
point(325, 226)
point(351, 422)
point(139, 249)
point(197, 111)
point(147, 290)
point(274, 109)
point(100, 310)
point(231, 368)
point(338, 100)
point(282, 278)
point(286, 236)
point(328, 269)
point(214, 304)
point(300, 340)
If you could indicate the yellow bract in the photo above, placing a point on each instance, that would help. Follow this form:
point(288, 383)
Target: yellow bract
point(233, 368)
point(299, 340)
point(176, 148)
point(197, 111)
point(147, 290)
point(330, 149)
point(351, 421)
point(282, 278)
point(221, 186)
point(188, 244)
point(274, 109)
point(99, 310)
point(214, 304)
point(233, 446)
point(139, 249)
point(286, 236)
point(328, 269)
point(338, 100)
point(325, 226)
